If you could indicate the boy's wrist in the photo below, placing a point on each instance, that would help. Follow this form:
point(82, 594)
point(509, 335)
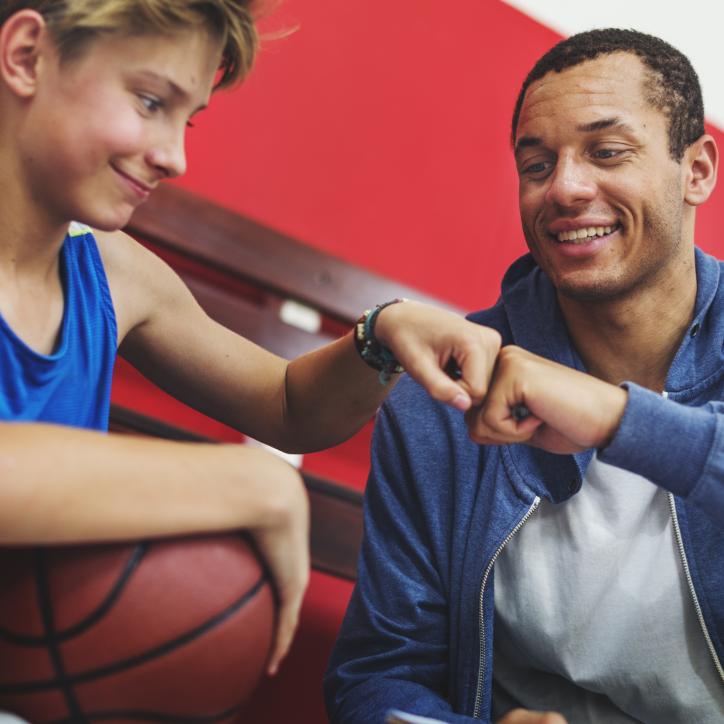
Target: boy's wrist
point(373, 351)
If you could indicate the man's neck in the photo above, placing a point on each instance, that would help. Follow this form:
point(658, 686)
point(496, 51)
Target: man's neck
point(633, 338)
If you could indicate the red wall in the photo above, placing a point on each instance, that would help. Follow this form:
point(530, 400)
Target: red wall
point(377, 131)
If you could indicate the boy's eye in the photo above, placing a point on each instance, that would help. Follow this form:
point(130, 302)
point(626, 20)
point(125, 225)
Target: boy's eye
point(150, 103)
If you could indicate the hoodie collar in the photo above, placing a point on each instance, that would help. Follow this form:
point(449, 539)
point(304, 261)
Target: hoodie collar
point(699, 358)
point(537, 323)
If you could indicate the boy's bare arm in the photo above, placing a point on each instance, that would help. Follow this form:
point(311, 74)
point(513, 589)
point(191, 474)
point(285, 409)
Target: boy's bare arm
point(315, 401)
point(64, 485)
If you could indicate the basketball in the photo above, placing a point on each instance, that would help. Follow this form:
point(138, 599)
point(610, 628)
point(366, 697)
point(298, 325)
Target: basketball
point(174, 630)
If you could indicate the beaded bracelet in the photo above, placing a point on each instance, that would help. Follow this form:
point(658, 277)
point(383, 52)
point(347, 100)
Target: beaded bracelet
point(370, 349)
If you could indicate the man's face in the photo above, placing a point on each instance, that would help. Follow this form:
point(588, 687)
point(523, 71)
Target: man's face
point(601, 199)
point(105, 129)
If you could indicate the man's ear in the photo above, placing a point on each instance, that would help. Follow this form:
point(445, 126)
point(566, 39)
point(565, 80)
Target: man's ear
point(21, 39)
point(701, 160)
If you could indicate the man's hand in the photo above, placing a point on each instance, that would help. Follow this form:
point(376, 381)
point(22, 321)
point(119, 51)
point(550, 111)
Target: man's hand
point(525, 716)
point(569, 411)
point(424, 339)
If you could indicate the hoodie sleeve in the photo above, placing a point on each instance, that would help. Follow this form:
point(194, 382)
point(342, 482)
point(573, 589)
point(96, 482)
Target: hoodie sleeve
point(392, 651)
point(678, 447)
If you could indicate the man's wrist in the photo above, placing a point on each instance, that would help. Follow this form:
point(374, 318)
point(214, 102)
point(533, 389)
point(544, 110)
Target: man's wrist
point(619, 399)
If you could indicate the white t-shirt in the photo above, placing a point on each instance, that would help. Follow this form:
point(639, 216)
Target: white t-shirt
point(594, 617)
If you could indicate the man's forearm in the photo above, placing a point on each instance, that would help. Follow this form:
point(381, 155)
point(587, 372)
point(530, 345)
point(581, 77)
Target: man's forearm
point(678, 447)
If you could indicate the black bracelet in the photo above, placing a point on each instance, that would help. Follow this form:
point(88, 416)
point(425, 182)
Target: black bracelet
point(373, 352)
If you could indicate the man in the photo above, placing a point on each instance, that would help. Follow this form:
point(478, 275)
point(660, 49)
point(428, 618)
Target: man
point(594, 551)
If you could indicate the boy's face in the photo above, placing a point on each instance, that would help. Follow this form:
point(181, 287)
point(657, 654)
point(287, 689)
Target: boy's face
point(593, 163)
point(103, 130)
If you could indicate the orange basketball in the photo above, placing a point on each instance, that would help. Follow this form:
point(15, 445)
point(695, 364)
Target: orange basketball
point(171, 630)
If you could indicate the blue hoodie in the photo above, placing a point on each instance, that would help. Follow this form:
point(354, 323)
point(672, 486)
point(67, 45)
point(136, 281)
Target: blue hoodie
point(418, 632)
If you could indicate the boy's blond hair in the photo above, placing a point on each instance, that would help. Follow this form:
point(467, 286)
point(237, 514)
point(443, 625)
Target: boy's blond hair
point(73, 23)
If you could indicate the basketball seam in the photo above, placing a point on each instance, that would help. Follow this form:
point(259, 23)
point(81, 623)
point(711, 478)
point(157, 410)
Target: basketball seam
point(93, 617)
point(31, 687)
point(154, 716)
point(56, 657)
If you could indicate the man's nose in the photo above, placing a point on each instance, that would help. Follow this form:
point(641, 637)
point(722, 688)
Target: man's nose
point(572, 183)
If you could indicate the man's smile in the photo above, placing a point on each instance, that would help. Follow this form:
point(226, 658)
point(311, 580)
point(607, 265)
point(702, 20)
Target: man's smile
point(586, 234)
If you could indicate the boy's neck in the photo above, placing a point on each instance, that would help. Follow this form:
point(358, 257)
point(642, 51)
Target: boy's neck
point(30, 240)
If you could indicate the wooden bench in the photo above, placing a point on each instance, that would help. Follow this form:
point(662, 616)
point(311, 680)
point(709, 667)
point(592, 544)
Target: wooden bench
point(284, 295)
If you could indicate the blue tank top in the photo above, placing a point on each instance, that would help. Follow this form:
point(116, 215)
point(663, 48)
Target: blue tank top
point(71, 386)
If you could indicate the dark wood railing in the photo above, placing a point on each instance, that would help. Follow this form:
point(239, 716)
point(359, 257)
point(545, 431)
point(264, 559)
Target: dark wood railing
point(243, 274)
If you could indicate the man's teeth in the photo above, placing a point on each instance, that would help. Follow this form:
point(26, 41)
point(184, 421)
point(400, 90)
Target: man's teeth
point(585, 234)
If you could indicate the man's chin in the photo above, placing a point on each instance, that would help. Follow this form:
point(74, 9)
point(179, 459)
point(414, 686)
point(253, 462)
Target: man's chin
point(591, 290)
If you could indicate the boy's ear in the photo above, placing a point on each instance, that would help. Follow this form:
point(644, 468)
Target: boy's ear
point(21, 39)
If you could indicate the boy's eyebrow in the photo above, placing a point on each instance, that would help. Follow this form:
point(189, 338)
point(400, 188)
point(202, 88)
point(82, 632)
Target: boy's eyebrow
point(174, 88)
point(600, 125)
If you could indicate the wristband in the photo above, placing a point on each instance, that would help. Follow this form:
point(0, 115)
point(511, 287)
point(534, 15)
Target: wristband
point(370, 349)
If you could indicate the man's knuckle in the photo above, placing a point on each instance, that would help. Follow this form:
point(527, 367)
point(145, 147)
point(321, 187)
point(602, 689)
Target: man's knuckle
point(492, 336)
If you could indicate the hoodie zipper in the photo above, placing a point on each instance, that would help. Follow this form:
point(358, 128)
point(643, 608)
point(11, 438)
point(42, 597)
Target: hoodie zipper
point(481, 622)
point(692, 590)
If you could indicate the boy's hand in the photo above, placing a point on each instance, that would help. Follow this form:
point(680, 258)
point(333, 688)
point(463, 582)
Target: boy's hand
point(569, 411)
point(283, 542)
point(424, 339)
point(525, 716)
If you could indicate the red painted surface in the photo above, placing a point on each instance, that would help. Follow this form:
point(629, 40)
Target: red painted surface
point(378, 132)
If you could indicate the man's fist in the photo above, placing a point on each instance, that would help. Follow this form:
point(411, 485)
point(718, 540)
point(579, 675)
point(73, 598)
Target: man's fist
point(569, 411)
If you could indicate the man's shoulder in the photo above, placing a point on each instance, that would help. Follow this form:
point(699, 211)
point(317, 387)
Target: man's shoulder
point(494, 317)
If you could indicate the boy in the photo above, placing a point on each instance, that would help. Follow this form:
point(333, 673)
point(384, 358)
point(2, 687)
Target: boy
point(95, 97)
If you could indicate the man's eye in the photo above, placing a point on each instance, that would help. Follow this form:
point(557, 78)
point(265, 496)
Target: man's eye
point(535, 169)
point(606, 153)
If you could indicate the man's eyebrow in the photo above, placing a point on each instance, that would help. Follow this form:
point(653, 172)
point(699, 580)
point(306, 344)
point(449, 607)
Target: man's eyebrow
point(604, 124)
point(526, 142)
point(601, 125)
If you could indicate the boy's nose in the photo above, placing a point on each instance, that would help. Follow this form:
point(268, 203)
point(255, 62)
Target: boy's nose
point(169, 155)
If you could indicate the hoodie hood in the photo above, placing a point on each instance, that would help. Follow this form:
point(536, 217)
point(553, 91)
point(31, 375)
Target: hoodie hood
point(529, 305)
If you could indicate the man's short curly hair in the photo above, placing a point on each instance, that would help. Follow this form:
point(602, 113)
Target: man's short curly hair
point(672, 85)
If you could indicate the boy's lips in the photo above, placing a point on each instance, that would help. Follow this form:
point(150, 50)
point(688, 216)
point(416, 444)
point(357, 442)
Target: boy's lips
point(141, 188)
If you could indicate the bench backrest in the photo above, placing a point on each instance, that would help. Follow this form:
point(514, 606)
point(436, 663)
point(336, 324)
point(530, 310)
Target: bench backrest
point(284, 295)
